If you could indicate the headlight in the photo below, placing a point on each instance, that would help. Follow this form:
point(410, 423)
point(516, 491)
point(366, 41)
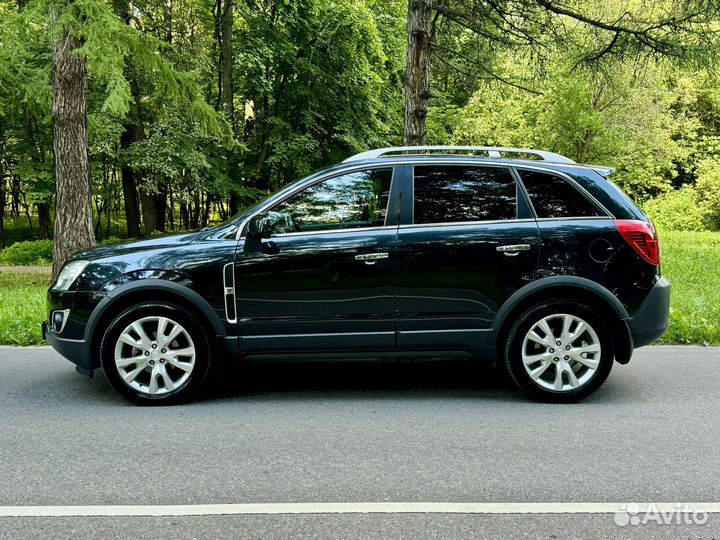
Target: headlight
point(69, 274)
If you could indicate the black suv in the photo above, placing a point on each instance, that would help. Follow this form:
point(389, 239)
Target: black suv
point(506, 254)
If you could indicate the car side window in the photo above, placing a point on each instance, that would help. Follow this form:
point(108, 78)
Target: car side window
point(555, 197)
point(451, 193)
point(353, 200)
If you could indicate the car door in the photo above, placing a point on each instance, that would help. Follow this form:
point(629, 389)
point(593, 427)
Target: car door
point(468, 243)
point(323, 280)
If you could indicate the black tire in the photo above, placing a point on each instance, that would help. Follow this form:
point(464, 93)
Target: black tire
point(514, 349)
point(198, 377)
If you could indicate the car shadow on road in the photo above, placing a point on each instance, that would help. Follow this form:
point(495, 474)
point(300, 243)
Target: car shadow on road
point(343, 380)
point(360, 380)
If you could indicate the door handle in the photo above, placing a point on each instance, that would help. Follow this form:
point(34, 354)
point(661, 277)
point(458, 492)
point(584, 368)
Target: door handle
point(513, 249)
point(370, 258)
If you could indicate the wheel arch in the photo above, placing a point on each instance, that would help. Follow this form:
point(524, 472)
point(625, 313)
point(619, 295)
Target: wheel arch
point(151, 290)
point(576, 288)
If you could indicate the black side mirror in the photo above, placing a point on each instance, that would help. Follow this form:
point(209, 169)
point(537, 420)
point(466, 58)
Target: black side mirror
point(260, 226)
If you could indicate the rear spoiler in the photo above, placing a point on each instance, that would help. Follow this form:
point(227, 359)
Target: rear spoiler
point(603, 171)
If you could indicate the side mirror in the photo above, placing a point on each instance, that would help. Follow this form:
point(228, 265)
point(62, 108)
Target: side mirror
point(260, 226)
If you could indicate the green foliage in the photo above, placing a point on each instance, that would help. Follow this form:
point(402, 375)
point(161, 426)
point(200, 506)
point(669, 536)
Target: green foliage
point(316, 80)
point(692, 207)
point(315, 72)
point(22, 307)
point(27, 253)
point(676, 211)
point(617, 119)
point(708, 192)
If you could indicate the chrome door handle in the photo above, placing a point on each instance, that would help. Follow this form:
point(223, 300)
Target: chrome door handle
point(513, 248)
point(369, 257)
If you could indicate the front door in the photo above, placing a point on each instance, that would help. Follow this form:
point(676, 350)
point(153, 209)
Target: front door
point(323, 280)
point(468, 244)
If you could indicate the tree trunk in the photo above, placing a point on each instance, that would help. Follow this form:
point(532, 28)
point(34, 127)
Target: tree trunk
point(168, 20)
point(3, 202)
point(73, 211)
point(134, 132)
point(227, 95)
point(417, 81)
point(184, 216)
point(148, 201)
point(43, 220)
point(226, 60)
point(132, 213)
point(161, 205)
point(15, 197)
point(206, 212)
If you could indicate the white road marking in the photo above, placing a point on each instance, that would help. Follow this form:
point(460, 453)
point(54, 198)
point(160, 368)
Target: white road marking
point(347, 508)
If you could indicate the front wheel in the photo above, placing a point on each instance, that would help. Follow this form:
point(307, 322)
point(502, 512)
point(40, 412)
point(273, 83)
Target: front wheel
point(155, 354)
point(559, 351)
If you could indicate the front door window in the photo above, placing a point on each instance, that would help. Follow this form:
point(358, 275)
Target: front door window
point(355, 200)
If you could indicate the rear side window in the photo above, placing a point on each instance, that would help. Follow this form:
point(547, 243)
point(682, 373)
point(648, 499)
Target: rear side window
point(555, 197)
point(445, 194)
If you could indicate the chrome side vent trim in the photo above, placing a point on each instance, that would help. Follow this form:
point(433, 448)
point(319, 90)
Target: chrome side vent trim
point(229, 288)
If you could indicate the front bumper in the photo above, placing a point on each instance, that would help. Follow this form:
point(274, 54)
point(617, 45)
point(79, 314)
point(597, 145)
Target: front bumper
point(650, 321)
point(75, 350)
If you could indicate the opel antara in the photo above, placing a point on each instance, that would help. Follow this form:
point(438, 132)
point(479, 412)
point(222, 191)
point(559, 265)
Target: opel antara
point(514, 256)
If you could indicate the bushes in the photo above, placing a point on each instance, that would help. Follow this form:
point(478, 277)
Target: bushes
point(708, 192)
point(691, 208)
point(27, 253)
point(676, 211)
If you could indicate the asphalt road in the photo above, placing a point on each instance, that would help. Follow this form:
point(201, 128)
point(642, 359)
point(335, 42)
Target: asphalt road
point(306, 433)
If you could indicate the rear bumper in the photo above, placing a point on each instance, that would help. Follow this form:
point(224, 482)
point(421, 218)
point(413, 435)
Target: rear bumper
point(74, 350)
point(651, 320)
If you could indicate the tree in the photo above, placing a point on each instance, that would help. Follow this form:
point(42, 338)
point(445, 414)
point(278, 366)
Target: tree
point(683, 31)
point(73, 213)
point(314, 75)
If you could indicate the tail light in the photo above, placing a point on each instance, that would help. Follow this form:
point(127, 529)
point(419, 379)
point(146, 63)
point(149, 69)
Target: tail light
point(642, 237)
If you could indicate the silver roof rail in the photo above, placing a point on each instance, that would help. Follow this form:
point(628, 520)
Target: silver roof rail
point(491, 151)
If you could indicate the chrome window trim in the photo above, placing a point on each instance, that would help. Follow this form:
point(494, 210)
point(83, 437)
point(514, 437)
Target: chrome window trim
point(477, 161)
point(331, 231)
point(598, 205)
point(578, 218)
point(304, 185)
point(466, 223)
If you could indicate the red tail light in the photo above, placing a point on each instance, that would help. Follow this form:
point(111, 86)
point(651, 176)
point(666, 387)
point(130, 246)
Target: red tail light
point(643, 238)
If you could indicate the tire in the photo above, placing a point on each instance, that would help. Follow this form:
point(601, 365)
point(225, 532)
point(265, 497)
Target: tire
point(150, 371)
point(579, 362)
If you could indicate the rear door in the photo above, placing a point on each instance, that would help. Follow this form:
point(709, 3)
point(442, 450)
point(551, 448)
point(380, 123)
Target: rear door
point(468, 242)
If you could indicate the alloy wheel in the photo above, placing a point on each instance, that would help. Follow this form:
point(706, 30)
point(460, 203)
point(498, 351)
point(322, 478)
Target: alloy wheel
point(561, 352)
point(154, 355)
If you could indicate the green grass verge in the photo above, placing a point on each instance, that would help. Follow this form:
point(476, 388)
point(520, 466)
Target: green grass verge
point(22, 307)
point(691, 260)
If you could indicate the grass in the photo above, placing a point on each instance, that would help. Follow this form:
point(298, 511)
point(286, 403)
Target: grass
point(691, 260)
point(22, 307)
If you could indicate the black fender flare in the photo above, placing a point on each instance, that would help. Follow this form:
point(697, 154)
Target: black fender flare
point(547, 284)
point(155, 285)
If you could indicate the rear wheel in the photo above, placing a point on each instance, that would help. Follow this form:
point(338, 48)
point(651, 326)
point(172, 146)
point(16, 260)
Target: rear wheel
point(156, 354)
point(559, 351)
